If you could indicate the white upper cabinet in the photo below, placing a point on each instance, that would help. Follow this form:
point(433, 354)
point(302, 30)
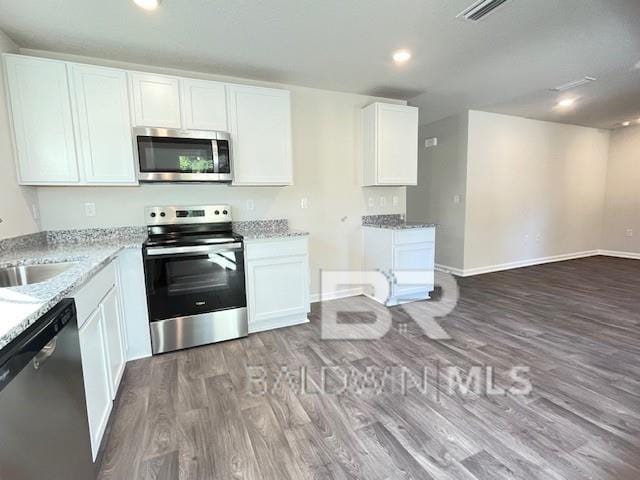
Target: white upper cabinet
point(260, 126)
point(156, 100)
point(41, 117)
point(105, 146)
point(204, 105)
point(390, 144)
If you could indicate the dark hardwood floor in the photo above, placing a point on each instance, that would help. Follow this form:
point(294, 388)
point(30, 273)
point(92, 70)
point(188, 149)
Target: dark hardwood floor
point(197, 414)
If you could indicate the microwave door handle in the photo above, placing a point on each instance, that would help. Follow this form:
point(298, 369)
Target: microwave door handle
point(193, 251)
point(216, 156)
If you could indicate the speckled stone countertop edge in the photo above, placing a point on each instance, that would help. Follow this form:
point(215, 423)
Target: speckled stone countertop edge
point(402, 226)
point(23, 324)
point(21, 307)
point(394, 221)
point(266, 229)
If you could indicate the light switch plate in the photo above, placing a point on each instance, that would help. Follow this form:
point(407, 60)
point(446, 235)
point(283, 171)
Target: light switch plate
point(250, 205)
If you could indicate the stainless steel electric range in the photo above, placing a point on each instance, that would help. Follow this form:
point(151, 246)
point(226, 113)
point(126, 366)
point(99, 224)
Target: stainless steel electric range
point(194, 270)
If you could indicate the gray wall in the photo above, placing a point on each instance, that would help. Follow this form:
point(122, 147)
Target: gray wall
point(442, 175)
point(535, 190)
point(622, 210)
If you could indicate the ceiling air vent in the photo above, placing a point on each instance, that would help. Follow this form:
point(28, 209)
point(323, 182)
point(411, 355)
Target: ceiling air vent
point(574, 84)
point(480, 9)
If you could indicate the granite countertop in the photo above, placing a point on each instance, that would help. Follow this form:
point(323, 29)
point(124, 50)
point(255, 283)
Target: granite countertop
point(90, 250)
point(265, 229)
point(392, 222)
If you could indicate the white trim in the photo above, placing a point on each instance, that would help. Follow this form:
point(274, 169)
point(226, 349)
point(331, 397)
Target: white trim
point(447, 269)
point(521, 263)
point(335, 295)
point(280, 322)
point(618, 254)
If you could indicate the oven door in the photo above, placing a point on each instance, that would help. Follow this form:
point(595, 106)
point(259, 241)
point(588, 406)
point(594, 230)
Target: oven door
point(182, 156)
point(196, 295)
point(188, 281)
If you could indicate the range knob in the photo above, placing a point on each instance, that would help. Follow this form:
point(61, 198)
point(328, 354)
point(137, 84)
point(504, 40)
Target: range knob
point(224, 212)
point(217, 212)
point(153, 214)
point(162, 214)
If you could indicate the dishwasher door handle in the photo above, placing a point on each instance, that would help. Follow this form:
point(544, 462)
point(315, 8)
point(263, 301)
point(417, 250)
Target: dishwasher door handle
point(43, 355)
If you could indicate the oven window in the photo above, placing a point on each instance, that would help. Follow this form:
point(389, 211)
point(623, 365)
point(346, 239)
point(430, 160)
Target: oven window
point(180, 286)
point(175, 155)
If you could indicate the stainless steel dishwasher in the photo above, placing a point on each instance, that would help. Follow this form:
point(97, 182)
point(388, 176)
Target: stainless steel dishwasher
point(44, 431)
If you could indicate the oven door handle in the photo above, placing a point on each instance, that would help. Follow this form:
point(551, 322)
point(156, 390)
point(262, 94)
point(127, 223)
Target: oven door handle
point(195, 250)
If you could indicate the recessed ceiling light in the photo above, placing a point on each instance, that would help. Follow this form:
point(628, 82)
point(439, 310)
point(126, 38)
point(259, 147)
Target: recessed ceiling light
point(566, 102)
point(401, 56)
point(147, 4)
point(626, 124)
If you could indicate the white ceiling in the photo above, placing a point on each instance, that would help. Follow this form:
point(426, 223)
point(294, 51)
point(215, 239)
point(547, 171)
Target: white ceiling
point(504, 63)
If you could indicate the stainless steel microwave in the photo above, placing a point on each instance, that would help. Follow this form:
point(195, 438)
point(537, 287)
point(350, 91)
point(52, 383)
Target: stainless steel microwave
point(166, 155)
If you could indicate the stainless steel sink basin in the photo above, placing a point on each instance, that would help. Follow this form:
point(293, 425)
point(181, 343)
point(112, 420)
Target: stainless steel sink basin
point(29, 274)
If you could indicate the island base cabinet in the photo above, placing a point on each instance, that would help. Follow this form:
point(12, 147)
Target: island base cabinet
point(406, 257)
point(277, 283)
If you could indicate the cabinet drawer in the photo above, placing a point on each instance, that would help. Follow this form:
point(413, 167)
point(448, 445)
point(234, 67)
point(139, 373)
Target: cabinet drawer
point(417, 235)
point(276, 248)
point(89, 296)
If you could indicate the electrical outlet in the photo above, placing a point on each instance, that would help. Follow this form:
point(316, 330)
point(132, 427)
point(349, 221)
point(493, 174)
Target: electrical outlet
point(90, 209)
point(628, 232)
point(383, 201)
point(371, 202)
point(456, 199)
point(538, 237)
point(304, 203)
point(34, 211)
point(250, 205)
point(396, 201)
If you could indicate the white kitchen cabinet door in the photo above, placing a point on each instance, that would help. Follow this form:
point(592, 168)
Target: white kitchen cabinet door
point(204, 105)
point(105, 147)
point(96, 377)
point(114, 340)
point(40, 111)
point(414, 257)
point(279, 288)
point(156, 100)
point(260, 126)
point(390, 136)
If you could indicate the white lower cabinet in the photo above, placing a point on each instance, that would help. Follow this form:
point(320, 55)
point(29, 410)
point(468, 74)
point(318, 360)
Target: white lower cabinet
point(96, 377)
point(277, 283)
point(103, 347)
point(405, 256)
point(114, 339)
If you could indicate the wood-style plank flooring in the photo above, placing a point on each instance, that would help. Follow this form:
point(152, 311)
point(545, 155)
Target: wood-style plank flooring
point(195, 415)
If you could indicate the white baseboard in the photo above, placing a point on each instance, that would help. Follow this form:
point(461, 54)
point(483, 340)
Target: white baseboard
point(265, 325)
point(324, 296)
point(447, 269)
point(614, 253)
point(469, 272)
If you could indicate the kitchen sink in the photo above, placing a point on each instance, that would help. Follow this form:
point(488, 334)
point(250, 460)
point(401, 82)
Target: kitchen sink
point(29, 274)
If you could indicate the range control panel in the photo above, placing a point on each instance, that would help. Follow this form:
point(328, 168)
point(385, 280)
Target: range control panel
point(191, 214)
